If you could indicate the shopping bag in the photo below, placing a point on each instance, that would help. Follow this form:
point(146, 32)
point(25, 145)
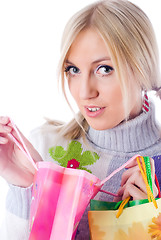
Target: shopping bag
point(142, 222)
point(140, 219)
point(60, 197)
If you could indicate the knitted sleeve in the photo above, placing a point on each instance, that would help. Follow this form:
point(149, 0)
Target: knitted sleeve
point(15, 226)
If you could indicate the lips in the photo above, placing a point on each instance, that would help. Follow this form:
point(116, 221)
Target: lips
point(94, 111)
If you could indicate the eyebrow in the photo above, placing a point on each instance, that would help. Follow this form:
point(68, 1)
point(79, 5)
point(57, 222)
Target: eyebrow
point(96, 61)
point(102, 59)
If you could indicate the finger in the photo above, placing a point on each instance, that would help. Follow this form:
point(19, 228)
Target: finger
point(4, 120)
point(152, 168)
point(133, 192)
point(130, 170)
point(117, 199)
point(128, 173)
point(132, 164)
point(136, 180)
point(3, 140)
point(5, 129)
point(155, 190)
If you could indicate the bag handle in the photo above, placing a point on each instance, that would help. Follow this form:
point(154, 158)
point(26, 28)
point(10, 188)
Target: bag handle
point(101, 183)
point(145, 170)
point(118, 170)
point(21, 144)
point(145, 175)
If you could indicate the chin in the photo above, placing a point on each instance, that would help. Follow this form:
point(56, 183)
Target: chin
point(102, 126)
point(99, 127)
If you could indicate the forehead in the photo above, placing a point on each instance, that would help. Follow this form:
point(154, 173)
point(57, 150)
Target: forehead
point(88, 45)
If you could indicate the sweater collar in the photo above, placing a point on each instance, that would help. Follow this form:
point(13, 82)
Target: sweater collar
point(131, 136)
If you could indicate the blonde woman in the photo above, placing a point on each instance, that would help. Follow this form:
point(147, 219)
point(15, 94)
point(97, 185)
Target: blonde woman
point(109, 58)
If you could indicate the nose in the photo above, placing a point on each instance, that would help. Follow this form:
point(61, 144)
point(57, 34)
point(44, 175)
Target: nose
point(88, 87)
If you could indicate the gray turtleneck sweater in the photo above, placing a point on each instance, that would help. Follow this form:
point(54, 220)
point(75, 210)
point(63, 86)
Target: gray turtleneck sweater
point(113, 147)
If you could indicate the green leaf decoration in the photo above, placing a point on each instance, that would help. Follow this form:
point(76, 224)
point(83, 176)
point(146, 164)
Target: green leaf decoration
point(57, 153)
point(74, 151)
point(88, 158)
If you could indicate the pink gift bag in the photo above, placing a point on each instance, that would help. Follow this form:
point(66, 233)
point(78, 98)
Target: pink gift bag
point(60, 197)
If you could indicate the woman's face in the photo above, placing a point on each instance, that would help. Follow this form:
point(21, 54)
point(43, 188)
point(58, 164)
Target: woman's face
point(93, 83)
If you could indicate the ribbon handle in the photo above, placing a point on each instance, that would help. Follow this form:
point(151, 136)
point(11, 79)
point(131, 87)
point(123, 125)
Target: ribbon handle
point(21, 144)
point(118, 170)
point(146, 174)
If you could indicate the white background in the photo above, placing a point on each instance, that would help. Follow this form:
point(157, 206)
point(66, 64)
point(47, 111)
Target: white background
point(30, 35)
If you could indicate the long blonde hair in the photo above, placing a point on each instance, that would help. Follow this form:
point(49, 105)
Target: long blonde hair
point(130, 38)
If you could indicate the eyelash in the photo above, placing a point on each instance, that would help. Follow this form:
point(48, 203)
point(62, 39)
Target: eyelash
point(110, 69)
point(67, 69)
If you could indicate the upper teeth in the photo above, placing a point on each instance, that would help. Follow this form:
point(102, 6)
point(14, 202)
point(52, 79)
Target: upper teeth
point(93, 109)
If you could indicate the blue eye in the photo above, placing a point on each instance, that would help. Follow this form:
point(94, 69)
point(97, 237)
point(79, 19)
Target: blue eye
point(72, 70)
point(104, 70)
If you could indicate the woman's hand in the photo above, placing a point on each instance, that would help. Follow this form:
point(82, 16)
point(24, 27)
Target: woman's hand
point(132, 183)
point(14, 165)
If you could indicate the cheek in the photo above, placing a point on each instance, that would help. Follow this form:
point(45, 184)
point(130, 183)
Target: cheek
point(114, 95)
point(115, 103)
point(117, 96)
